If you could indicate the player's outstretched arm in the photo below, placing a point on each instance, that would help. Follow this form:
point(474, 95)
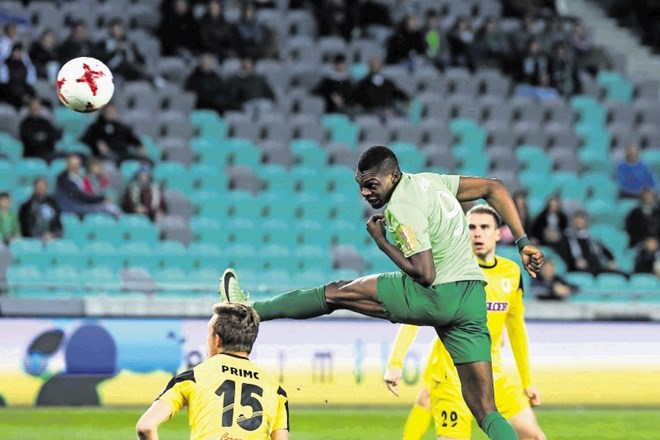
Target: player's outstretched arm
point(495, 193)
point(147, 427)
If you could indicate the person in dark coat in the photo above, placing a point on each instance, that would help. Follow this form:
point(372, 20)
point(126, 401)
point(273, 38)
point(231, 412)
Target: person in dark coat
point(336, 87)
point(550, 224)
point(207, 85)
point(375, 92)
point(38, 134)
point(39, 215)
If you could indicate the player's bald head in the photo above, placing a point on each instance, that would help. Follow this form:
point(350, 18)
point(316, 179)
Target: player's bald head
point(378, 158)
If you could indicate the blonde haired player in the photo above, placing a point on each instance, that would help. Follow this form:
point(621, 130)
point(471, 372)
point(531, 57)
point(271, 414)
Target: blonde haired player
point(441, 398)
point(228, 396)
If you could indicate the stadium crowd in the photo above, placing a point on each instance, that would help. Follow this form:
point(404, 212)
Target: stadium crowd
point(546, 55)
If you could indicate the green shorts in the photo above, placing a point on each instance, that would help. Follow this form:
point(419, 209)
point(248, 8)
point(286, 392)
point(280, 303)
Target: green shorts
point(456, 310)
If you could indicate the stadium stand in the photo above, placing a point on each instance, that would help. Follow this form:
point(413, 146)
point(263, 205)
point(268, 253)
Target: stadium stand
point(267, 185)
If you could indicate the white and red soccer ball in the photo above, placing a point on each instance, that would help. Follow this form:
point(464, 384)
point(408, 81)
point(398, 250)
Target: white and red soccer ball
point(85, 84)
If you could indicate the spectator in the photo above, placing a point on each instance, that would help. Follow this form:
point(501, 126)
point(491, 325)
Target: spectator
point(96, 182)
point(491, 46)
point(9, 229)
point(562, 72)
point(336, 87)
point(8, 40)
point(144, 196)
point(178, 31)
point(553, 33)
point(251, 34)
point(406, 44)
point(110, 139)
point(648, 257)
point(520, 200)
point(208, 86)
point(121, 55)
point(550, 224)
point(644, 220)
point(335, 17)
point(45, 56)
point(375, 92)
point(582, 252)
point(533, 66)
point(247, 85)
point(71, 194)
point(40, 214)
point(17, 75)
point(371, 12)
point(549, 286)
point(437, 46)
point(461, 43)
point(521, 37)
point(77, 44)
point(589, 57)
point(217, 35)
point(633, 175)
point(38, 133)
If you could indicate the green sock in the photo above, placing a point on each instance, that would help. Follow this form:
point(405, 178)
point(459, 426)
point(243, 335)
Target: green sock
point(296, 304)
point(497, 428)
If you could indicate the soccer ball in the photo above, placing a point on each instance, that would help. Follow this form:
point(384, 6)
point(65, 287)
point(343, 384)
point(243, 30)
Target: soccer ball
point(85, 84)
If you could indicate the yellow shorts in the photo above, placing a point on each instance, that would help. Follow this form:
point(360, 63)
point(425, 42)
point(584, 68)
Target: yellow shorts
point(452, 416)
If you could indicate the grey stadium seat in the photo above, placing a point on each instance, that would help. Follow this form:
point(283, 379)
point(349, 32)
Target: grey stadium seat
point(557, 110)
point(9, 120)
point(530, 134)
point(243, 177)
point(275, 152)
point(527, 110)
point(621, 113)
point(329, 47)
point(361, 50)
point(175, 228)
point(433, 132)
point(177, 203)
point(342, 155)
point(561, 135)
point(174, 69)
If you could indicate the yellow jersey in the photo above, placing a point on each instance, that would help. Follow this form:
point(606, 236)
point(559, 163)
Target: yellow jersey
point(504, 299)
point(228, 397)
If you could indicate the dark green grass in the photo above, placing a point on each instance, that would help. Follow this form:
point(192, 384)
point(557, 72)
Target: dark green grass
point(326, 424)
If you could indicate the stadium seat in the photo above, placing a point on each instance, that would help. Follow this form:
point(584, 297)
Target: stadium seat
point(616, 86)
point(72, 123)
point(645, 283)
point(63, 252)
point(101, 227)
point(174, 176)
point(138, 254)
point(533, 158)
point(65, 278)
point(29, 252)
point(308, 153)
point(102, 254)
point(600, 186)
point(591, 111)
point(172, 255)
point(611, 282)
point(207, 123)
point(10, 147)
point(101, 279)
point(208, 256)
point(208, 178)
point(585, 281)
point(138, 227)
point(29, 168)
point(25, 280)
point(410, 158)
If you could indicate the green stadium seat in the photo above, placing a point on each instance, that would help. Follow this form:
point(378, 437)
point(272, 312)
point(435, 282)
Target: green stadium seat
point(309, 153)
point(652, 157)
point(332, 120)
point(243, 231)
point(29, 168)
point(585, 281)
point(101, 279)
point(286, 210)
point(589, 109)
point(253, 210)
point(313, 257)
point(588, 297)
point(276, 179)
point(73, 123)
point(244, 255)
point(600, 186)
point(568, 185)
point(595, 162)
point(208, 123)
point(10, 147)
point(154, 152)
point(305, 179)
point(311, 277)
point(645, 283)
point(7, 176)
point(532, 157)
point(128, 168)
point(102, 254)
point(174, 175)
point(65, 278)
point(63, 252)
point(138, 254)
point(341, 180)
point(247, 155)
point(70, 144)
point(102, 227)
point(314, 237)
point(469, 134)
point(172, 281)
point(410, 158)
point(208, 256)
point(536, 183)
point(29, 252)
point(348, 134)
point(277, 256)
point(616, 86)
point(172, 255)
point(359, 71)
point(350, 212)
point(24, 280)
point(137, 227)
point(344, 274)
point(611, 282)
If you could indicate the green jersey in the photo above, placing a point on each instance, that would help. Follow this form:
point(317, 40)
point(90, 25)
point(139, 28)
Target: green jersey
point(423, 214)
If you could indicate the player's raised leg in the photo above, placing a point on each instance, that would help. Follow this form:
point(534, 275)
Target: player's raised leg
point(359, 295)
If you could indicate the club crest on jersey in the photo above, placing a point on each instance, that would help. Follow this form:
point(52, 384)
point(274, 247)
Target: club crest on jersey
point(408, 237)
point(505, 283)
point(497, 306)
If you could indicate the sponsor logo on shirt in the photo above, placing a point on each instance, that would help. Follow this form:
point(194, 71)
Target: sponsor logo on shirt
point(497, 306)
point(408, 237)
point(225, 436)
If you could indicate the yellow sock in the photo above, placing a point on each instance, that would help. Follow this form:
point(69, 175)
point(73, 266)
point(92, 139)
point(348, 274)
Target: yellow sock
point(417, 424)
